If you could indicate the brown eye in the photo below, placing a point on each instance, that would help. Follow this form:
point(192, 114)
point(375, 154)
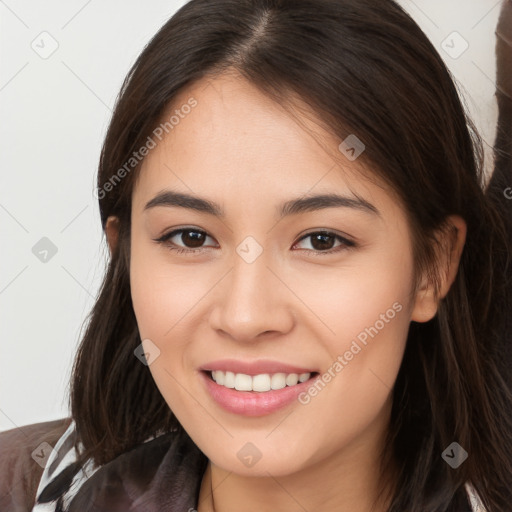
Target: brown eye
point(322, 242)
point(196, 239)
point(192, 240)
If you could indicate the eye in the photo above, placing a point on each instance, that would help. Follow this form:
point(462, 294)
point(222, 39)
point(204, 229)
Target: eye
point(192, 238)
point(322, 242)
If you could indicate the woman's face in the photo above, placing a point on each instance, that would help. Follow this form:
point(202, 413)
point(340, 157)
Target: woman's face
point(259, 293)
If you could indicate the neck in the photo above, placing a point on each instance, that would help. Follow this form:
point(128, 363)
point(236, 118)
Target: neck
point(347, 480)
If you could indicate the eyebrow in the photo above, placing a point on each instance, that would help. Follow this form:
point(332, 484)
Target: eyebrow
point(170, 198)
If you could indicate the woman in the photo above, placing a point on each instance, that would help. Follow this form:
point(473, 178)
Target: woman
point(307, 288)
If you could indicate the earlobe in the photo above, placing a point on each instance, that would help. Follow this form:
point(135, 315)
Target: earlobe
point(452, 241)
point(425, 303)
point(112, 232)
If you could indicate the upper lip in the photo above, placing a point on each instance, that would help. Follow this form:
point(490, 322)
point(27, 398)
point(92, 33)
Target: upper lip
point(254, 367)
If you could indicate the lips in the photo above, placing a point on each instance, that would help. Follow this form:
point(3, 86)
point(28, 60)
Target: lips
point(252, 403)
point(263, 398)
point(255, 367)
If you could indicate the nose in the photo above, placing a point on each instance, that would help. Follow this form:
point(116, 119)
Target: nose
point(252, 302)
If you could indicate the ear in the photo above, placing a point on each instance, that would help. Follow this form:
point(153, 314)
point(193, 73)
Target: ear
point(112, 232)
point(451, 245)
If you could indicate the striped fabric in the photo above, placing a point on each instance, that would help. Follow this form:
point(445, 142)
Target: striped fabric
point(62, 456)
point(162, 474)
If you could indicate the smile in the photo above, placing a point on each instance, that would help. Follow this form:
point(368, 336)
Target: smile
point(259, 383)
point(255, 395)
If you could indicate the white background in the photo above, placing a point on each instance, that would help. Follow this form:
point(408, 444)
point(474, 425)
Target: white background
point(53, 116)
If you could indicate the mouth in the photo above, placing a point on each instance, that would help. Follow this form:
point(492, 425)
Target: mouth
point(255, 395)
point(260, 383)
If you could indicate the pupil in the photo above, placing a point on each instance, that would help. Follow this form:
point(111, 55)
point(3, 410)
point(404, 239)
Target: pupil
point(193, 241)
point(323, 243)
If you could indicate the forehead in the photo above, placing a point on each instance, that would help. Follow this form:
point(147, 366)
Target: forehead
point(237, 141)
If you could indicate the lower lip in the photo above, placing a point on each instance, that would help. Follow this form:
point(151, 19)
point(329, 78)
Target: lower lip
point(253, 403)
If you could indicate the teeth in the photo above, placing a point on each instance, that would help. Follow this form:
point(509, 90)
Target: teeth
point(278, 381)
point(259, 383)
point(229, 379)
point(243, 382)
point(292, 379)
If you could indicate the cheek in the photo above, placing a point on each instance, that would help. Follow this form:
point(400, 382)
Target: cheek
point(366, 314)
point(166, 298)
point(158, 306)
point(163, 294)
point(356, 300)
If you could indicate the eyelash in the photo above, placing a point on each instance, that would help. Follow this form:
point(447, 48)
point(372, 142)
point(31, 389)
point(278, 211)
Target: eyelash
point(164, 240)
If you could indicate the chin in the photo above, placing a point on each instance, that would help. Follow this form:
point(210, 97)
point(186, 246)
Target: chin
point(267, 466)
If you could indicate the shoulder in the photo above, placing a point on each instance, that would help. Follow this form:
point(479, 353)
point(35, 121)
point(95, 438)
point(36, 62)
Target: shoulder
point(24, 452)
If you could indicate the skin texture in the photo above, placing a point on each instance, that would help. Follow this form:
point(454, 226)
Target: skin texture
point(243, 151)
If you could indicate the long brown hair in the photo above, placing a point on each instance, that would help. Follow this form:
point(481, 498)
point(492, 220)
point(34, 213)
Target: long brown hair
point(364, 67)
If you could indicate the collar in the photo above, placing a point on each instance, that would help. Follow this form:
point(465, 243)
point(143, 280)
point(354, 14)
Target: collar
point(162, 474)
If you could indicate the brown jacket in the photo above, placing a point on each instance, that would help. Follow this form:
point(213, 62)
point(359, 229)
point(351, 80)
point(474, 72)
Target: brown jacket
point(21, 456)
